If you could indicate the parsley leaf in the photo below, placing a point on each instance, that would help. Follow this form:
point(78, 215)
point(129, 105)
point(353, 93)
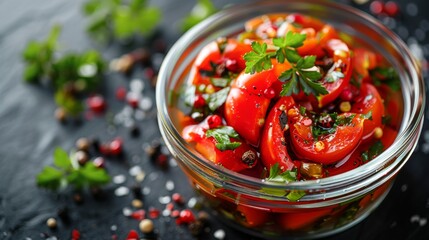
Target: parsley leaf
point(216, 99)
point(387, 76)
point(64, 173)
point(333, 76)
point(120, 19)
point(302, 76)
point(287, 176)
point(372, 152)
point(281, 177)
point(258, 59)
point(222, 136)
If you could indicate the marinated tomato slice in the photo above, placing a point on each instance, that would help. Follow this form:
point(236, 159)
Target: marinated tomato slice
point(273, 145)
point(325, 145)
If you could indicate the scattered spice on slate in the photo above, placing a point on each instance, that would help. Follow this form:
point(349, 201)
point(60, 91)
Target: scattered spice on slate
point(77, 198)
point(75, 235)
point(99, 162)
point(153, 212)
point(196, 228)
point(81, 157)
point(137, 192)
point(122, 191)
point(119, 179)
point(51, 223)
point(138, 215)
point(186, 216)
point(177, 198)
point(127, 212)
point(83, 144)
point(146, 226)
point(169, 185)
point(132, 235)
point(137, 203)
point(60, 114)
point(63, 214)
point(219, 234)
point(96, 104)
point(134, 131)
point(164, 199)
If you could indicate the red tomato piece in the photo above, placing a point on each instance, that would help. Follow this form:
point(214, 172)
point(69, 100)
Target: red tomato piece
point(364, 60)
point(248, 101)
point(239, 159)
point(300, 220)
point(329, 148)
point(369, 100)
point(252, 216)
point(342, 62)
point(231, 56)
point(273, 146)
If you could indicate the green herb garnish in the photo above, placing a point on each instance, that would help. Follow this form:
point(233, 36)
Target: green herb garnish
point(287, 176)
point(302, 76)
point(333, 76)
point(216, 99)
point(222, 136)
point(372, 152)
point(202, 10)
point(387, 76)
point(120, 19)
point(66, 172)
point(281, 177)
point(71, 75)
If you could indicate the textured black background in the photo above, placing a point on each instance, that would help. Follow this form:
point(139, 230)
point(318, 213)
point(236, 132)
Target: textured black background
point(29, 134)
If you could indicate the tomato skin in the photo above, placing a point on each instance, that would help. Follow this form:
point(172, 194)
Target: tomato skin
point(248, 101)
point(364, 60)
point(340, 53)
point(230, 159)
point(233, 51)
point(272, 146)
point(300, 220)
point(330, 148)
point(253, 217)
point(369, 100)
point(246, 113)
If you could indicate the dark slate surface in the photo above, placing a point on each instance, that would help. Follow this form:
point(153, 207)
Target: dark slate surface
point(29, 133)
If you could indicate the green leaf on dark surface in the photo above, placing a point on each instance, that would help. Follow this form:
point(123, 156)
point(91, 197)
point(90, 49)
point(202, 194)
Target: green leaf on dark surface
point(222, 136)
point(202, 10)
point(61, 158)
point(49, 177)
point(94, 175)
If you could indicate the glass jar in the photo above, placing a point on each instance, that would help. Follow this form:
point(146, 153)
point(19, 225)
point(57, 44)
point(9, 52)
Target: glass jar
point(335, 203)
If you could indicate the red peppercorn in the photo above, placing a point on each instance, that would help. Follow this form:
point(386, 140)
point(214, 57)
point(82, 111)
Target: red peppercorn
point(269, 93)
point(133, 100)
point(104, 149)
point(391, 8)
point(186, 216)
point(116, 146)
point(175, 213)
point(177, 198)
point(96, 103)
point(153, 212)
point(75, 234)
point(121, 93)
point(376, 7)
point(199, 101)
point(169, 206)
point(133, 235)
point(214, 121)
point(138, 215)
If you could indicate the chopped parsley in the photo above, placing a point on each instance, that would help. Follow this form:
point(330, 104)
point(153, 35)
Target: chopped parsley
point(302, 76)
point(287, 176)
point(386, 75)
point(372, 152)
point(222, 136)
point(216, 99)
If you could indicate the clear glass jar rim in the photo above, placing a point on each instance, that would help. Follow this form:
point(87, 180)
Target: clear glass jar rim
point(406, 134)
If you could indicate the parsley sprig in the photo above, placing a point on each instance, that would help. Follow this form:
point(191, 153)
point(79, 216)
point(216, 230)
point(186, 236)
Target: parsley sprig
point(119, 19)
point(71, 75)
point(277, 176)
point(67, 172)
point(222, 136)
point(303, 74)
